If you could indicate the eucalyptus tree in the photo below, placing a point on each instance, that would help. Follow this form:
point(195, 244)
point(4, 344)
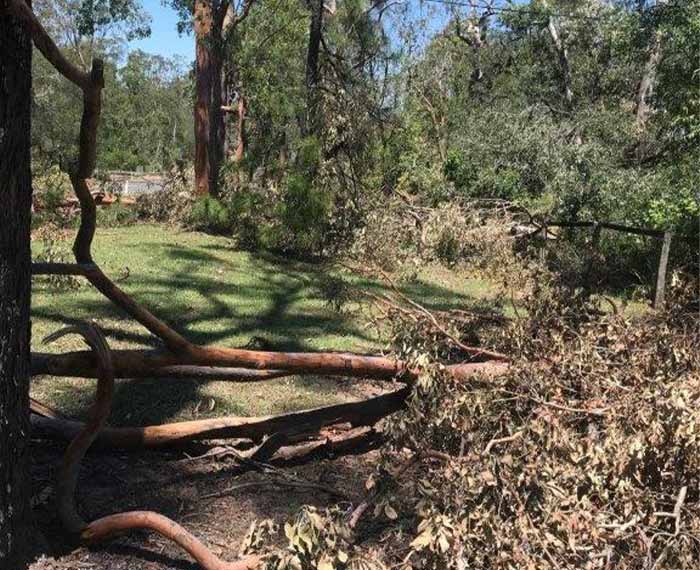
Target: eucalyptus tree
point(149, 99)
point(215, 24)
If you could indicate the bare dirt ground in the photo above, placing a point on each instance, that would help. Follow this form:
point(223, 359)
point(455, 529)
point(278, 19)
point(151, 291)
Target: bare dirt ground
point(180, 488)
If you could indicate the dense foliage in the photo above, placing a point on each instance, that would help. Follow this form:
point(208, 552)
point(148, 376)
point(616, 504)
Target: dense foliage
point(575, 111)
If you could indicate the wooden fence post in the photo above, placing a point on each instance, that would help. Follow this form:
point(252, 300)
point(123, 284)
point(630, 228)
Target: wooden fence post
point(660, 295)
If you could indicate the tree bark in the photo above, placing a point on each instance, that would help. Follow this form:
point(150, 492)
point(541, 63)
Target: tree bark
point(645, 91)
point(217, 124)
point(240, 145)
point(564, 65)
point(15, 280)
point(362, 413)
point(203, 88)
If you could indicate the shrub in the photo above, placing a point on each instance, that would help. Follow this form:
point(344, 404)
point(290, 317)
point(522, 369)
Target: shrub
point(54, 248)
point(305, 211)
point(210, 215)
point(448, 248)
point(116, 215)
point(170, 205)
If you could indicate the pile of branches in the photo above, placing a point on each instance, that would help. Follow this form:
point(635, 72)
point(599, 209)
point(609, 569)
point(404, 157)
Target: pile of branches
point(401, 234)
point(588, 459)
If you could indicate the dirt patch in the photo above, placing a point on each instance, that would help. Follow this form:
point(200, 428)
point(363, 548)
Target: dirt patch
point(196, 493)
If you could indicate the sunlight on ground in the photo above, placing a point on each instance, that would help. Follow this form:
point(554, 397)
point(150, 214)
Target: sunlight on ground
point(214, 294)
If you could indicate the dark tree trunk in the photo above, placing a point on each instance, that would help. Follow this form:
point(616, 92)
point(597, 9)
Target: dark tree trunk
point(203, 88)
point(312, 122)
point(15, 265)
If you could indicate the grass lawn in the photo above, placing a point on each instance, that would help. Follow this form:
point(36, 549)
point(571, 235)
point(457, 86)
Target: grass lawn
point(215, 294)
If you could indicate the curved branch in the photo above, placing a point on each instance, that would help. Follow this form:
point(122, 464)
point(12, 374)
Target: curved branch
point(21, 10)
point(112, 524)
point(68, 474)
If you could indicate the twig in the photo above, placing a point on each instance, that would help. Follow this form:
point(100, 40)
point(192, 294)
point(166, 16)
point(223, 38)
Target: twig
point(472, 350)
point(599, 412)
point(497, 441)
point(676, 514)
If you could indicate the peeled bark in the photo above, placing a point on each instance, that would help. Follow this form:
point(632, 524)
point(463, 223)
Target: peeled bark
point(15, 282)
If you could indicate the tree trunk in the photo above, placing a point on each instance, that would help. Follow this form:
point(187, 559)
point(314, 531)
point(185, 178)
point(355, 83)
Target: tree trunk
point(217, 124)
point(312, 122)
point(646, 85)
point(15, 272)
point(240, 146)
point(211, 20)
point(564, 65)
point(203, 89)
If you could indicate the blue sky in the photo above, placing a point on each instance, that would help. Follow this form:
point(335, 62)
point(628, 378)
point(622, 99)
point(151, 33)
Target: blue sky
point(164, 38)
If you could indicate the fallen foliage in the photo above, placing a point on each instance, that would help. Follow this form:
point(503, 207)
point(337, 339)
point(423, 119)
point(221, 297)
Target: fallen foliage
point(587, 458)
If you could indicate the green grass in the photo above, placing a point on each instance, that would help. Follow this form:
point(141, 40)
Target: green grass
point(214, 294)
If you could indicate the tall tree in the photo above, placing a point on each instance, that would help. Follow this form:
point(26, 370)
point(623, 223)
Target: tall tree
point(215, 23)
point(15, 276)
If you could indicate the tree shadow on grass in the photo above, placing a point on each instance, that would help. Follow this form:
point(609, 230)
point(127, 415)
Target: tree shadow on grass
point(263, 302)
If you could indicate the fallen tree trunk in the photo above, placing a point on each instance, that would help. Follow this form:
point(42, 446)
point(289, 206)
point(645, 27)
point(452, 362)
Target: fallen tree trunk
point(365, 412)
point(258, 365)
point(143, 364)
